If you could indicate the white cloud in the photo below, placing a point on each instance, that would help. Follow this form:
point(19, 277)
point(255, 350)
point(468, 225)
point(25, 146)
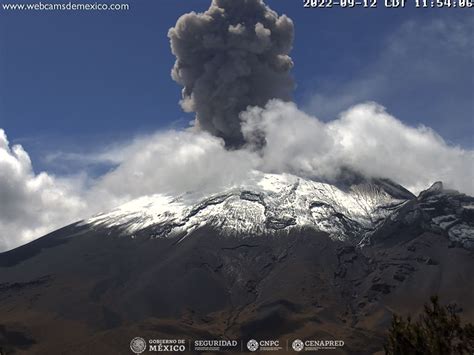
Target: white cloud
point(176, 162)
point(295, 142)
point(365, 138)
point(378, 144)
point(166, 162)
point(31, 204)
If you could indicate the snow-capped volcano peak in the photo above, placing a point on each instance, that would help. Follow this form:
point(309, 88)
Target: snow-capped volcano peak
point(264, 204)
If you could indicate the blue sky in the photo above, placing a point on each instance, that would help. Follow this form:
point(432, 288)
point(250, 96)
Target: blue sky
point(77, 81)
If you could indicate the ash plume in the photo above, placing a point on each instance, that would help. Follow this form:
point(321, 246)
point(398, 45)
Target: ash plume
point(234, 55)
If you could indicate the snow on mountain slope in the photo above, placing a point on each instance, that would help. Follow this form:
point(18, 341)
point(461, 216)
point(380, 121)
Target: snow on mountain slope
point(265, 203)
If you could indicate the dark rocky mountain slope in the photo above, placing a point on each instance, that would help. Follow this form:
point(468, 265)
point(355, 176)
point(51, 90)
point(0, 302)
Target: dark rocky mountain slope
point(91, 287)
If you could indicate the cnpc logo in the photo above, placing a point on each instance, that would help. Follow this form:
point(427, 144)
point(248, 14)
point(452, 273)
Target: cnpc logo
point(263, 345)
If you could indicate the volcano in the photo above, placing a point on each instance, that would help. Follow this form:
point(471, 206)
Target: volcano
point(279, 257)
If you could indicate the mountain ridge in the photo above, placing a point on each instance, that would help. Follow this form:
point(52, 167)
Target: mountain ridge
point(92, 287)
point(267, 202)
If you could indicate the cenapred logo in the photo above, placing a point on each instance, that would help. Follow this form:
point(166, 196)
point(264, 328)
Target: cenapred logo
point(138, 345)
point(316, 345)
point(297, 345)
point(252, 345)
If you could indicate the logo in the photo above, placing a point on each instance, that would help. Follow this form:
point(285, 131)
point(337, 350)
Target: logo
point(215, 345)
point(297, 345)
point(138, 345)
point(316, 345)
point(167, 345)
point(252, 345)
